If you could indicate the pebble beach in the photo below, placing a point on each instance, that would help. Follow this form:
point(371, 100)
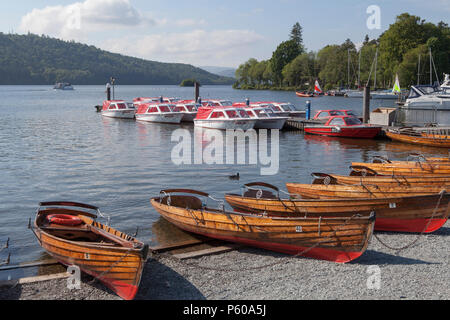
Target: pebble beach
point(419, 272)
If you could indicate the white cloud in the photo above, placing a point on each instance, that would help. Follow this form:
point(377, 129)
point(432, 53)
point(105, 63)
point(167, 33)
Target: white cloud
point(217, 47)
point(77, 20)
point(190, 22)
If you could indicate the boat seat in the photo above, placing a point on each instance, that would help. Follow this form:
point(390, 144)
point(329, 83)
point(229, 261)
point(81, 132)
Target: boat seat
point(182, 201)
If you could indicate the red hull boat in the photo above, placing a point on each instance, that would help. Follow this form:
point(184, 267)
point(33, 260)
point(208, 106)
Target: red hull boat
point(409, 225)
point(343, 126)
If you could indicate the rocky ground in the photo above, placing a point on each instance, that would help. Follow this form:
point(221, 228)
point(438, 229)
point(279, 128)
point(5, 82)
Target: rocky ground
point(419, 272)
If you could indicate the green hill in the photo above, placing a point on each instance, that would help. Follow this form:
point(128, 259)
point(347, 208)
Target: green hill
point(32, 59)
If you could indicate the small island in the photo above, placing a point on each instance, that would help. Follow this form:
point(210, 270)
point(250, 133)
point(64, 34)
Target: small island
point(189, 83)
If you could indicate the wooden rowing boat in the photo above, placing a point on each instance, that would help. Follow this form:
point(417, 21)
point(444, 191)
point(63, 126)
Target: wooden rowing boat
point(403, 214)
point(315, 191)
point(383, 181)
point(425, 140)
point(339, 239)
point(407, 168)
point(70, 234)
point(418, 157)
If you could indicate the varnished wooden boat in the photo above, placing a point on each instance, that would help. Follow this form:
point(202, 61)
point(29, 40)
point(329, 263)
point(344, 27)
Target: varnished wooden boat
point(414, 156)
point(339, 239)
point(403, 214)
point(382, 180)
point(406, 168)
point(315, 191)
point(69, 233)
point(425, 140)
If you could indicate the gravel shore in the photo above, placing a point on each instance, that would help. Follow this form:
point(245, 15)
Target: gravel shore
point(419, 272)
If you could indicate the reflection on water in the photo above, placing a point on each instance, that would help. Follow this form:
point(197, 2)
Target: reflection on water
point(55, 146)
point(165, 233)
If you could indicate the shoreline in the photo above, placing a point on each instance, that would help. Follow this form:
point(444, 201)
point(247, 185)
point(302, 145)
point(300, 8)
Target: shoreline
point(419, 272)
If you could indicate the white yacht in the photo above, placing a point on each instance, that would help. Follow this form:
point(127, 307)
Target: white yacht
point(63, 86)
point(426, 105)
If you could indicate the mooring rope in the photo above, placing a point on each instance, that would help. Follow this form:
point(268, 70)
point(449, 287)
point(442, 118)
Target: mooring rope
point(399, 249)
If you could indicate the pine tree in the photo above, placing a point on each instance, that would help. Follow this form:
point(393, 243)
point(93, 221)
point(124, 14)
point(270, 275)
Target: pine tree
point(297, 36)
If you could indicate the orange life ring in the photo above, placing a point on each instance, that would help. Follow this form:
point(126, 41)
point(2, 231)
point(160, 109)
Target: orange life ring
point(64, 220)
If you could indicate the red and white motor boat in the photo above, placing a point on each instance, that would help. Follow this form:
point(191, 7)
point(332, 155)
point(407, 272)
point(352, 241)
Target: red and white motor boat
point(224, 118)
point(141, 100)
point(118, 109)
point(158, 112)
point(277, 109)
point(189, 109)
point(217, 103)
point(342, 126)
point(266, 118)
point(288, 107)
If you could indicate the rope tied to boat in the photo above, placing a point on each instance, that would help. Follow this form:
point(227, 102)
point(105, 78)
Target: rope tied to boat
point(399, 249)
point(282, 260)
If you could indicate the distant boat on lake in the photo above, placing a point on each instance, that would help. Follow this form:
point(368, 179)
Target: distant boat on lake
point(63, 86)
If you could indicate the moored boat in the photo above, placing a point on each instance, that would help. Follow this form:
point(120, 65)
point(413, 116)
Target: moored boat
point(441, 141)
point(118, 109)
point(404, 214)
point(327, 114)
point(277, 108)
point(342, 126)
point(224, 118)
point(304, 94)
point(406, 168)
point(317, 191)
point(382, 180)
point(70, 234)
point(65, 86)
point(188, 108)
point(158, 112)
point(266, 118)
point(142, 100)
point(340, 239)
point(290, 109)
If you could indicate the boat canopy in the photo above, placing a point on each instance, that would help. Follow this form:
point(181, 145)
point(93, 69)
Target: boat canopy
point(154, 108)
point(229, 112)
point(120, 104)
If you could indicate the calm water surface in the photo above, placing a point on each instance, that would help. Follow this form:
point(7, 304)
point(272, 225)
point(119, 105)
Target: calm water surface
point(54, 146)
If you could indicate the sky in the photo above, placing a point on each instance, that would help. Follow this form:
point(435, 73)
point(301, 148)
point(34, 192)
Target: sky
point(209, 32)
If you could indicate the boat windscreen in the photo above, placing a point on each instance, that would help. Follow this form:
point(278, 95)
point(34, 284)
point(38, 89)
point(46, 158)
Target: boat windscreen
point(179, 109)
point(164, 108)
point(352, 121)
point(243, 114)
point(232, 114)
point(261, 113)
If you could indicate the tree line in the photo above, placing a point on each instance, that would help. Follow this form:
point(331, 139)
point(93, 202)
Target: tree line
point(33, 59)
point(403, 49)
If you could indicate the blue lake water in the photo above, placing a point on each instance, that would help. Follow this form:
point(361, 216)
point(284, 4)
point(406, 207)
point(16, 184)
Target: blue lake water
point(54, 146)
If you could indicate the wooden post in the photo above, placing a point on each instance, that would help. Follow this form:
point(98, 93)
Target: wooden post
point(197, 91)
point(366, 104)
